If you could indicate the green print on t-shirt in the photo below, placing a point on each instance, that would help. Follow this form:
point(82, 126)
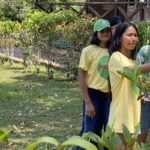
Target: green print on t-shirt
point(103, 67)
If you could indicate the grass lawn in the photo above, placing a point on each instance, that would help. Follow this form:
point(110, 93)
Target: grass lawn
point(34, 106)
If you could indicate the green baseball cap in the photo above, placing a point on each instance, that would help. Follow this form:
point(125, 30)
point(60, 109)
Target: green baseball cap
point(101, 24)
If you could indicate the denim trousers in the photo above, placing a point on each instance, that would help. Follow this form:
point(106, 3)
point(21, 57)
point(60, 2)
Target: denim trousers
point(101, 103)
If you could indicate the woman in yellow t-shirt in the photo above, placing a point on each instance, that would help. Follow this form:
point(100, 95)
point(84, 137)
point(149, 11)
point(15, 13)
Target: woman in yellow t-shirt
point(93, 79)
point(125, 108)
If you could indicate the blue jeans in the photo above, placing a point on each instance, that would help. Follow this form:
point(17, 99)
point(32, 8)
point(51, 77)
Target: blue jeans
point(145, 117)
point(101, 102)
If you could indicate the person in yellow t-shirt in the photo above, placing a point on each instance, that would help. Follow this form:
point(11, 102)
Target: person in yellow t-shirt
point(124, 108)
point(93, 75)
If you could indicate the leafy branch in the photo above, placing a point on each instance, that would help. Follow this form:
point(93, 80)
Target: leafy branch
point(136, 77)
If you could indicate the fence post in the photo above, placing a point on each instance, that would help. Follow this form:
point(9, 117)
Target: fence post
point(141, 12)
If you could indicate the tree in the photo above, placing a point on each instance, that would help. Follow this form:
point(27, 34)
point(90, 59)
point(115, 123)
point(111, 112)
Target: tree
point(14, 10)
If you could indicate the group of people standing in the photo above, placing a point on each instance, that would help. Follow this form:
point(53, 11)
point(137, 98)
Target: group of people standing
point(112, 48)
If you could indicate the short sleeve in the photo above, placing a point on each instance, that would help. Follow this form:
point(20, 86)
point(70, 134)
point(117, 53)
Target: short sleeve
point(141, 56)
point(116, 62)
point(85, 59)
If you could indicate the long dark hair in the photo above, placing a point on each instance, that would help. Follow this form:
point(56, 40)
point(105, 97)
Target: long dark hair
point(115, 43)
point(96, 41)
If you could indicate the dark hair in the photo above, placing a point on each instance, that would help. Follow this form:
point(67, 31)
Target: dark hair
point(96, 41)
point(116, 45)
point(115, 20)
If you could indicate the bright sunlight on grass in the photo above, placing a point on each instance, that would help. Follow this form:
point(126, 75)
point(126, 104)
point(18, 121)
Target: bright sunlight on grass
point(33, 106)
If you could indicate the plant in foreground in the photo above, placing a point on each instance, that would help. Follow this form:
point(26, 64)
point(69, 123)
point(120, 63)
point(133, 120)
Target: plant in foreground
point(110, 140)
point(4, 135)
point(72, 141)
point(136, 77)
point(89, 141)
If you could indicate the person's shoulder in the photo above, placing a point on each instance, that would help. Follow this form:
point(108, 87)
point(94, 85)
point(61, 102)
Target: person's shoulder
point(116, 56)
point(88, 48)
point(145, 49)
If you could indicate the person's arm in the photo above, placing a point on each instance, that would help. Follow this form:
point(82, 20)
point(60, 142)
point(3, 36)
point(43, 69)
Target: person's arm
point(143, 67)
point(84, 90)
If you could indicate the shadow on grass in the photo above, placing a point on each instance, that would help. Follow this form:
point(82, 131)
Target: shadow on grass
point(40, 78)
point(15, 68)
point(35, 107)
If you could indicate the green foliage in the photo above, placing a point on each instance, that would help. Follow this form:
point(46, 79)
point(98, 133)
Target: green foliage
point(3, 135)
point(36, 62)
point(25, 43)
point(36, 107)
point(9, 34)
point(77, 33)
point(109, 139)
point(5, 57)
point(43, 22)
point(144, 32)
point(127, 135)
point(14, 11)
point(76, 36)
point(48, 140)
point(53, 143)
point(71, 65)
point(136, 77)
point(47, 31)
point(7, 27)
point(78, 141)
point(132, 139)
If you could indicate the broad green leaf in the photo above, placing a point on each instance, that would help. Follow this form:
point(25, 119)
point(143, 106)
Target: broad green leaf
point(136, 67)
point(137, 129)
point(78, 141)
point(136, 77)
point(1, 132)
point(143, 146)
point(3, 135)
point(109, 131)
point(131, 142)
point(94, 138)
point(114, 140)
point(48, 140)
point(105, 138)
point(126, 133)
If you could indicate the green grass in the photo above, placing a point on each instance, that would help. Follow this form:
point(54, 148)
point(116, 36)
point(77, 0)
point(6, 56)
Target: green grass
point(34, 106)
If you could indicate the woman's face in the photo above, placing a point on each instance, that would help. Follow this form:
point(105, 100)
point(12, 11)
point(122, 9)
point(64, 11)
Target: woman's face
point(129, 39)
point(104, 35)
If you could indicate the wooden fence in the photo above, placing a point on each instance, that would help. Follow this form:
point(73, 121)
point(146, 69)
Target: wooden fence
point(128, 10)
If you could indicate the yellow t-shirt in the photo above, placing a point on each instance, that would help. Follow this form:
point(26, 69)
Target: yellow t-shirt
point(94, 60)
point(125, 108)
